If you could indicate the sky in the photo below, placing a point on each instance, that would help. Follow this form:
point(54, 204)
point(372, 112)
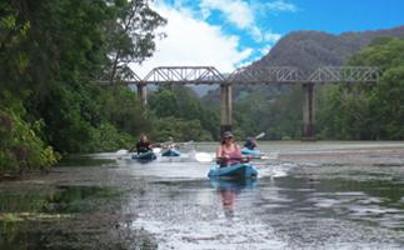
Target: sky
point(228, 34)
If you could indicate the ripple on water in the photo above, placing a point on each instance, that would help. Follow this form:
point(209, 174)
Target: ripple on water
point(219, 234)
point(341, 209)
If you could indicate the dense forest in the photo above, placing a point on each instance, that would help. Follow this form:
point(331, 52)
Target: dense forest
point(52, 53)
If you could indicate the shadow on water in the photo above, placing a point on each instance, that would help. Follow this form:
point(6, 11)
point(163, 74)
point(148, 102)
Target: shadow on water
point(84, 161)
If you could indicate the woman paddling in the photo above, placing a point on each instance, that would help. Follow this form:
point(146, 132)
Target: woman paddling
point(228, 152)
point(250, 143)
point(143, 145)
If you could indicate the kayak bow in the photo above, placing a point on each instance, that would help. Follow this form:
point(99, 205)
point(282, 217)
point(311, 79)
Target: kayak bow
point(236, 171)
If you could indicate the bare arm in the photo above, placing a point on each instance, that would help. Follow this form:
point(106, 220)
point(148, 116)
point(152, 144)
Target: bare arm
point(219, 152)
point(238, 151)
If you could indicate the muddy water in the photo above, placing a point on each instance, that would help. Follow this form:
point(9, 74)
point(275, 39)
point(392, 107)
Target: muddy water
point(327, 195)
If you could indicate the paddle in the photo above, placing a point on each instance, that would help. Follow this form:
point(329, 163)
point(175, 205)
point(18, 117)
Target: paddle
point(263, 156)
point(168, 144)
point(271, 156)
point(206, 157)
point(260, 135)
point(121, 153)
point(241, 159)
point(156, 150)
point(203, 157)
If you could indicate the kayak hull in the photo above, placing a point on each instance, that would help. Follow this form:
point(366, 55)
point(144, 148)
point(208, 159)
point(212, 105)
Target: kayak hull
point(236, 171)
point(171, 153)
point(144, 157)
point(246, 151)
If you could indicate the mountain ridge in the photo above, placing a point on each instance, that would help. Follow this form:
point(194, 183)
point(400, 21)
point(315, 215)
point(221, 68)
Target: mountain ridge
point(308, 50)
point(311, 49)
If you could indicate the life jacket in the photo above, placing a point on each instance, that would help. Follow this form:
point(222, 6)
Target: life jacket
point(234, 155)
point(142, 147)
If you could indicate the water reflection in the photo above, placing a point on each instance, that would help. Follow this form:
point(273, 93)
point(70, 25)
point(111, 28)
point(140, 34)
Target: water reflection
point(48, 213)
point(229, 190)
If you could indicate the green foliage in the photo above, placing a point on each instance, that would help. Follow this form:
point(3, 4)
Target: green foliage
point(368, 112)
point(87, 118)
point(164, 103)
point(20, 147)
point(181, 105)
point(122, 108)
point(130, 36)
point(50, 51)
point(106, 137)
point(278, 116)
point(179, 129)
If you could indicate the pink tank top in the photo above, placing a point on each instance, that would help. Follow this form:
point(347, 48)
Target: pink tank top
point(234, 155)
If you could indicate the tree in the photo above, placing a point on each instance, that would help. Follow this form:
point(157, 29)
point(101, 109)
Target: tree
point(368, 111)
point(131, 36)
point(50, 51)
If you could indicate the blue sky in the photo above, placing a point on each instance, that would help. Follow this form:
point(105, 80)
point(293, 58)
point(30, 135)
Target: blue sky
point(232, 33)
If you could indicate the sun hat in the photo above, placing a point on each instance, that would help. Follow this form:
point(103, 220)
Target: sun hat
point(227, 134)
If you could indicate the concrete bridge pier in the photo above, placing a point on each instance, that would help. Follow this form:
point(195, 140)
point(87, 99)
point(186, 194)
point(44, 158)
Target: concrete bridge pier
point(309, 112)
point(142, 93)
point(226, 108)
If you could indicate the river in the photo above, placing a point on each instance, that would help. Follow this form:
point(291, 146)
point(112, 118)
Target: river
point(322, 195)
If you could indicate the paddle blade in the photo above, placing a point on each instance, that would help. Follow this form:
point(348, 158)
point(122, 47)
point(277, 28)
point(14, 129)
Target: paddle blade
point(156, 150)
point(121, 153)
point(261, 135)
point(273, 156)
point(203, 157)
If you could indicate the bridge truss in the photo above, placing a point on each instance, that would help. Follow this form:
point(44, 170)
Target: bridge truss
point(259, 75)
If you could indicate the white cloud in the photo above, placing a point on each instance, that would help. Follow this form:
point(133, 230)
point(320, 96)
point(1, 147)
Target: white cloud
point(249, 61)
point(261, 36)
point(237, 12)
point(265, 50)
point(243, 15)
point(193, 42)
point(281, 6)
point(272, 37)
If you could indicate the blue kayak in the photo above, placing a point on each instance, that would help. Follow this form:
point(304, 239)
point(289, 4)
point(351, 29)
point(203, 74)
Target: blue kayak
point(236, 171)
point(252, 152)
point(171, 152)
point(144, 157)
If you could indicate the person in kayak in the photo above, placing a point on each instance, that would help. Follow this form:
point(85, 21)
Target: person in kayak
point(228, 152)
point(250, 143)
point(143, 145)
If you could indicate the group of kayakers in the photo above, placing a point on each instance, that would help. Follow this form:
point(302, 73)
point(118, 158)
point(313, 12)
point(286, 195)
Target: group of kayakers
point(143, 145)
point(228, 152)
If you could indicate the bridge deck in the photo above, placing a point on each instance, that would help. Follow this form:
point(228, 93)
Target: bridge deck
point(265, 75)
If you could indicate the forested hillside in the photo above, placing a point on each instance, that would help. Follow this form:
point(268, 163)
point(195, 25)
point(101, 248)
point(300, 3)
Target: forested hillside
point(309, 50)
point(279, 108)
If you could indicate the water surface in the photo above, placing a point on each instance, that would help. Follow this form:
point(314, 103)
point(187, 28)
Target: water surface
point(327, 195)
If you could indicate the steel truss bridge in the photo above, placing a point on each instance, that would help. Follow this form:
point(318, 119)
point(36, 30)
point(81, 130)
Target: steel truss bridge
point(258, 75)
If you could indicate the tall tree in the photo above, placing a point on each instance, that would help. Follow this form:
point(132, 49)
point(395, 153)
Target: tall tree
point(131, 36)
